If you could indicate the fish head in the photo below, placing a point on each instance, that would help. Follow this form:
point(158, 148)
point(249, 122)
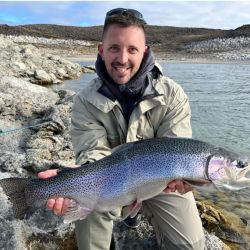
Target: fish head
point(228, 170)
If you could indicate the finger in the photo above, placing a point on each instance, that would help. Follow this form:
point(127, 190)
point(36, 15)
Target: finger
point(48, 173)
point(180, 187)
point(167, 190)
point(170, 187)
point(50, 203)
point(58, 206)
point(172, 184)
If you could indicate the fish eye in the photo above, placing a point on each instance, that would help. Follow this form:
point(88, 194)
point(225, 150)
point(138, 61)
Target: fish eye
point(240, 164)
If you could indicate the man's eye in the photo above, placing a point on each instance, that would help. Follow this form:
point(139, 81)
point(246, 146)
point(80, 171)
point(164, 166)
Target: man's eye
point(113, 49)
point(133, 50)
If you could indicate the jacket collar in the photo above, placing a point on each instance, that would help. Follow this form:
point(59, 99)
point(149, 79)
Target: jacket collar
point(103, 99)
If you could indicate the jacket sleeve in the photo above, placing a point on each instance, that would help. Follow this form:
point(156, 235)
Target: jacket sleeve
point(89, 137)
point(176, 121)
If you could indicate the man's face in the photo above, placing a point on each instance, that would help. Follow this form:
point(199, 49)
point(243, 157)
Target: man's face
point(122, 51)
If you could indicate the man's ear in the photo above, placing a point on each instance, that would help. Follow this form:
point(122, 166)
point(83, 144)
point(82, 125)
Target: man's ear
point(146, 48)
point(100, 49)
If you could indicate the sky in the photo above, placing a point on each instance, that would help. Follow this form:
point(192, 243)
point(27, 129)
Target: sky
point(204, 14)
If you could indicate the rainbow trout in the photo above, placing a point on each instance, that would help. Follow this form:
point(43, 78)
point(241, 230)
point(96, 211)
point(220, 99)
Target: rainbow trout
point(132, 173)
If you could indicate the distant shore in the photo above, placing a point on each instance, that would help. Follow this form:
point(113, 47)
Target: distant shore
point(215, 51)
point(173, 59)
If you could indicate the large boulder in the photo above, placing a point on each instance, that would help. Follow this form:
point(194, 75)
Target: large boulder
point(28, 62)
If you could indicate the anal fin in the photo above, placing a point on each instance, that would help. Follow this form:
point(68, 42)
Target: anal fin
point(76, 212)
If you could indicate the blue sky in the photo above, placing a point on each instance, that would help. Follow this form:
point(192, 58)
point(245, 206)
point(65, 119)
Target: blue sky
point(206, 14)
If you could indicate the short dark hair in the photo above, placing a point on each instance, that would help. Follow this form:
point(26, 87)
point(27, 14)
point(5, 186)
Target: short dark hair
point(123, 18)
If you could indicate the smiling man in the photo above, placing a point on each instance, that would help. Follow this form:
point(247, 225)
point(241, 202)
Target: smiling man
point(131, 100)
point(122, 52)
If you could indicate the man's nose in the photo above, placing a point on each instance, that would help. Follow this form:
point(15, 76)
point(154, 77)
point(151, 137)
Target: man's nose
point(123, 56)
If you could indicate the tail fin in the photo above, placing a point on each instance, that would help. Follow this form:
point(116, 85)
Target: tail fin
point(14, 188)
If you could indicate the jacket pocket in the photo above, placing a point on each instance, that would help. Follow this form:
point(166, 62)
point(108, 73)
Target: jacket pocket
point(145, 128)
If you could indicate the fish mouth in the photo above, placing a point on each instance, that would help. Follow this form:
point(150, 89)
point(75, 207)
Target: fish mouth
point(229, 172)
point(236, 178)
point(239, 173)
point(247, 172)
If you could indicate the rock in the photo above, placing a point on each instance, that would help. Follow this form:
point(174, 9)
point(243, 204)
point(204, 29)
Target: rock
point(142, 237)
point(89, 69)
point(43, 40)
point(5, 42)
point(42, 76)
point(23, 98)
point(19, 65)
point(66, 96)
point(13, 163)
point(61, 73)
point(54, 57)
point(8, 238)
point(223, 224)
point(28, 49)
point(30, 73)
point(20, 60)
point(212, 242)
point(226, 49)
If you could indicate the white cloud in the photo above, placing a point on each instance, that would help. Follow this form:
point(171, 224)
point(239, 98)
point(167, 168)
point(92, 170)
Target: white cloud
point(199, 14)
point(207, 14)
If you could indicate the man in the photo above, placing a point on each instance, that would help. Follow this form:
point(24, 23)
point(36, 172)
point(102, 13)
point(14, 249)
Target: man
point(131, 100)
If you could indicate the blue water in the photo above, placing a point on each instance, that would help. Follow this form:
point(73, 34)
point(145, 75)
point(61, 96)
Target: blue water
point(219, 97)
point(220, 101)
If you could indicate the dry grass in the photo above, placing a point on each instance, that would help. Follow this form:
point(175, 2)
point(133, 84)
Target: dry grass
point(163, 38)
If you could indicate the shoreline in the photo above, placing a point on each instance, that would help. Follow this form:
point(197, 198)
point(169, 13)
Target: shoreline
point(209, 52)
point(193, 60)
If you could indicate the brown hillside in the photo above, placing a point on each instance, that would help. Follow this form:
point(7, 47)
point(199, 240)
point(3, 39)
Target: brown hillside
point(162, 37)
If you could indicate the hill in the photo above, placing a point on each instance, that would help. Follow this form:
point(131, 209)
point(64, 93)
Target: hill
point(165, 38)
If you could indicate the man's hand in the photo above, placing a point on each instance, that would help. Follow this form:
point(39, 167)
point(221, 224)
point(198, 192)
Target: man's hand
point(60, 204)
point(179, 186)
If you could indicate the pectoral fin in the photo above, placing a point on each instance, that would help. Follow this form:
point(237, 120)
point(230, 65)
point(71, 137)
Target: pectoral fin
point(131, 210)
point(197, 182)
point(201, 184)
point(76, 212)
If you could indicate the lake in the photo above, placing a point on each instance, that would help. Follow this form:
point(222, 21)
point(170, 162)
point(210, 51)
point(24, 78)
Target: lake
point(220, 102)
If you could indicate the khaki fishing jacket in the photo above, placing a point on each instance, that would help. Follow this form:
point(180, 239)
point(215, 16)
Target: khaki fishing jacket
point(98, 125)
